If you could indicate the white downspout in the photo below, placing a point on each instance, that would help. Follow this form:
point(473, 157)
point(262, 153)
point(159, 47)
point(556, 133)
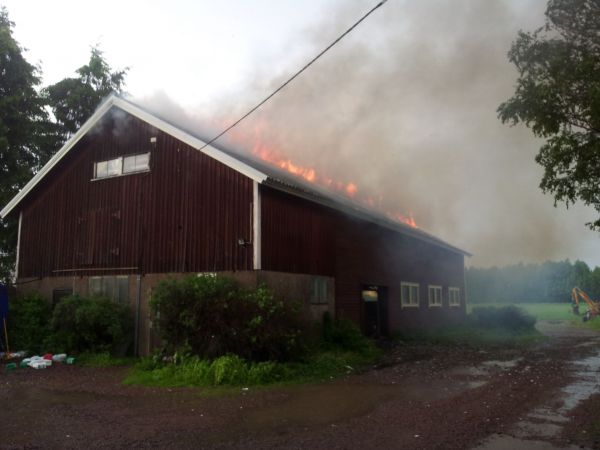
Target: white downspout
point(256, 225)
point(18, 246)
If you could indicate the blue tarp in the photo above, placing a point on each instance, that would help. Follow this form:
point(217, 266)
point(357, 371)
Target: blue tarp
point(3, 301)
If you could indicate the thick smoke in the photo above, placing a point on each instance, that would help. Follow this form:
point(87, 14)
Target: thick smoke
point(405, 107)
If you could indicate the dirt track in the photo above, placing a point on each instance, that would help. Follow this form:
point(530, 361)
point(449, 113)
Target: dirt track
point(425, 397)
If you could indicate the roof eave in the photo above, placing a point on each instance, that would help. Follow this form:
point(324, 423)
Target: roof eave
point(115, 101)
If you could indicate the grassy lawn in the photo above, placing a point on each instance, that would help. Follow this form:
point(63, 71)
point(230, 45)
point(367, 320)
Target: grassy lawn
point(549, 311)
point(473, 336)
point(541, 311)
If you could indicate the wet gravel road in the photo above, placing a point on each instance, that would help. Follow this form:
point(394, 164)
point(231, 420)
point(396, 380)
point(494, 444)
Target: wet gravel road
point(423, 397)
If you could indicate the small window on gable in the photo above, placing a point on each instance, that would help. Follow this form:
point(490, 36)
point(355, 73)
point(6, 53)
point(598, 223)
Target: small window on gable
point(136, 163)
point(114, 167)
point(435, 295)
point(109, 168)
point(454, 296)
point(101, 169)
point(409, 293)
point(122, 165)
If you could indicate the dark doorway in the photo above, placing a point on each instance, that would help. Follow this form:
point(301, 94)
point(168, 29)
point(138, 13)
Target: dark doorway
point(375, 311)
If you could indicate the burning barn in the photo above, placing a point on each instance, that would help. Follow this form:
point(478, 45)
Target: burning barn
point(131, 199)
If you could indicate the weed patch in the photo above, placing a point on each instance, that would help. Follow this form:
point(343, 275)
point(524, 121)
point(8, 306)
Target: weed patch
point(342, 349)
point(231, 370)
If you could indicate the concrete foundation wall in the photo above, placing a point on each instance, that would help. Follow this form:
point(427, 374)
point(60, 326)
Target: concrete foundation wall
point(292, 287)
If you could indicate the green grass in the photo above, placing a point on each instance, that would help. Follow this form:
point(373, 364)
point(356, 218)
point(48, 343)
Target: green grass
point(592, 324)
point(550, 311)
point(102, 360)
point(541, 311)
point(473, 336)
point(233, 371)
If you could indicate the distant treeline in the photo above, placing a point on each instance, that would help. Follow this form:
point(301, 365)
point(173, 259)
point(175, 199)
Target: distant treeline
point(547, 282)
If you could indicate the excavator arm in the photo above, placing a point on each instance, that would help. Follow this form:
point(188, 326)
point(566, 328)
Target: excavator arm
point(593, 306)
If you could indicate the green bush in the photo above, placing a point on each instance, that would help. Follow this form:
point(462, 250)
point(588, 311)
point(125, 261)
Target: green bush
point(343, 334)
point(90, 325)
point(28, 323)
point(507, 317)
point(213, 316)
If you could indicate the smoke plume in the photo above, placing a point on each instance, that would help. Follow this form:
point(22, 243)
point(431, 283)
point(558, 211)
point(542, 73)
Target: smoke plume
point(405, 108)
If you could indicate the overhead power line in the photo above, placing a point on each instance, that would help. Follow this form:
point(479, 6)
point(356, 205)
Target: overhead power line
point(306, 66)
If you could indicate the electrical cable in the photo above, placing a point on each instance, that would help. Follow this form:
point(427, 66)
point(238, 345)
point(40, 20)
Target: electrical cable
point(306, 66)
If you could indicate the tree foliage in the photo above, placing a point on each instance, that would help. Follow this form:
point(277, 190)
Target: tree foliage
point(558, 96)
point(22, 126)
point(29, 135)
point(74, 100)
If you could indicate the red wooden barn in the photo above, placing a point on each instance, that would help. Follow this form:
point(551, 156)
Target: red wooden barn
point(131, 199)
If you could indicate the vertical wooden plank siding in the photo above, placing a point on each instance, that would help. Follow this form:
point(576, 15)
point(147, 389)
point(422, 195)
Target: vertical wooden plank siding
point(186, 214)
point(301, 237)
point(297, 235)
point(369, 254)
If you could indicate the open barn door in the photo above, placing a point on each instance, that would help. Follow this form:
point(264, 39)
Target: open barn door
point(375, 310)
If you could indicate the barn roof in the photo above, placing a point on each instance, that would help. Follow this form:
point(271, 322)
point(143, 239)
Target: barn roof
point(254, 169)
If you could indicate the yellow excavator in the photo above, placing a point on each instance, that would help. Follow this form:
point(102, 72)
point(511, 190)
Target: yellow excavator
point(592, 305)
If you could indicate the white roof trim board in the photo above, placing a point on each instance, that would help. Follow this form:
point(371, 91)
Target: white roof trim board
point(257, 175)
point(135, 111)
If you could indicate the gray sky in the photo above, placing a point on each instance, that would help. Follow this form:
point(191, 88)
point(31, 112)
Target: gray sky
point(404, 107)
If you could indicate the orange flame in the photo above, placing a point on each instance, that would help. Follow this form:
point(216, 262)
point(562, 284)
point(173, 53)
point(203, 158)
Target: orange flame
point(310, 174)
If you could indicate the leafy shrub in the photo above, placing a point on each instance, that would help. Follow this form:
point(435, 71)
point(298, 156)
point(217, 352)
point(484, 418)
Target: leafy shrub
point(344, 335)
point(28, 323)
point(90, 325)
point(213, 316)
point(507, 317)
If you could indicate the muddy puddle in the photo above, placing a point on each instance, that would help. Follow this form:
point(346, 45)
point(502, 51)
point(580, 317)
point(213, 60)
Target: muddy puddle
point(303, 407)
point(541, 426)
point(328, 404)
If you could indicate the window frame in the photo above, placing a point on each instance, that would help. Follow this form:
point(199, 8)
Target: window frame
point(109, 286)
point(434, 288)
point(454, 297)
point(146, 168)
point(121, 163)
point(408, 303)
point(319, 290)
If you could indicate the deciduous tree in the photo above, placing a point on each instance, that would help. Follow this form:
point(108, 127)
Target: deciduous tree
point(23, 130)
point(558, 96)
point(74, 100)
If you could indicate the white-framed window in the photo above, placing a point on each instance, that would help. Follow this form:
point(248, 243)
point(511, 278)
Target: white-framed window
point(136, 163)
point(435, 295)
point(409, 293)
point(109, 168)
point(454, 296)
point(122, 165)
